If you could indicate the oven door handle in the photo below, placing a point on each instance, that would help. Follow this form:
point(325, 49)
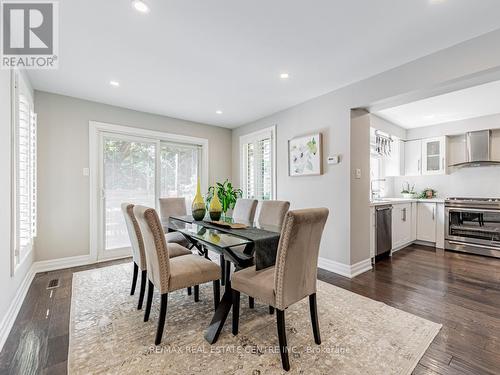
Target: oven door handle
point(473, 210)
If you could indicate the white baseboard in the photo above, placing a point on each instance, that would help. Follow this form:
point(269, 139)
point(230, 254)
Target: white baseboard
point(346, 270)
point(61, 263)
point(11, 314)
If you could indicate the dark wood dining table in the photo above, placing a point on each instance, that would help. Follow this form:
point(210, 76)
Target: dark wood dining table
point(254, 245)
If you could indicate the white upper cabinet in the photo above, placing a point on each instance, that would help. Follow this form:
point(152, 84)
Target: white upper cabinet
point(434, 156)
point(425, 156)
point(413, 158)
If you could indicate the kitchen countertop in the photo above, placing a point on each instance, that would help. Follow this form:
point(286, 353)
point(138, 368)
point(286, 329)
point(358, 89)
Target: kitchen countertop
point(384, 201)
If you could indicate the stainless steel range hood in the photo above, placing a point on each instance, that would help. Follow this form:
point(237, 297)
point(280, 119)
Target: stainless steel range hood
point(478, 150)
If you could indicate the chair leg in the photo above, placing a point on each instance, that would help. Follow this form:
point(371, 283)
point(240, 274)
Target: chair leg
point(149, 301)
point(222, 269)
point(236, 311)
point(161, 321)
point(251, 302)
point(314, 318)
point(216, 293)
point(134, 279)
point(144, 277)
point(271, 310)
point(189, 290)
point(196, 293)
point(280, 319)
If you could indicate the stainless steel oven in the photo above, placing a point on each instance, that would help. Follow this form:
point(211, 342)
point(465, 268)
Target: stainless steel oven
point(473, 225)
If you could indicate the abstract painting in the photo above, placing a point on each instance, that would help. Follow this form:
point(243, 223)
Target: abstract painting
point(305, 156)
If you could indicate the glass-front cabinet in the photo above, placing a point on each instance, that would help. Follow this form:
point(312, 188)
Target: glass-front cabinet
point(434, 156)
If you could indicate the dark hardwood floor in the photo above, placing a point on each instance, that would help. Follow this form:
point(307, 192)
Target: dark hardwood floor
point(460, 291)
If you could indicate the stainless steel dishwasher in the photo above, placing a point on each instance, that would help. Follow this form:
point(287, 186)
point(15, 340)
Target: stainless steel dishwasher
point(383, 230)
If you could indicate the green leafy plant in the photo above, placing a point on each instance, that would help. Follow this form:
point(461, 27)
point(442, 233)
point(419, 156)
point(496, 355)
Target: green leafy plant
point(227, 195)
point(428, 194)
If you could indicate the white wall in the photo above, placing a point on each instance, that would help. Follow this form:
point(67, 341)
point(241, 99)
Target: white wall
point(330, 114)
point(9, 285)
point(63, 152)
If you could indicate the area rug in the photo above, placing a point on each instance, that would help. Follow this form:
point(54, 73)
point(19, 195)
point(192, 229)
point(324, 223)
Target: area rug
point(359, 335)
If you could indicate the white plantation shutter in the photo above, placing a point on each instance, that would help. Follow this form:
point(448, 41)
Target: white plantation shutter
point(25, 172)
point(258, 165)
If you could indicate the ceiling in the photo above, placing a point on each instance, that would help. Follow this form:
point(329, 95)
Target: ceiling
point(477, 101)
point(190, 58)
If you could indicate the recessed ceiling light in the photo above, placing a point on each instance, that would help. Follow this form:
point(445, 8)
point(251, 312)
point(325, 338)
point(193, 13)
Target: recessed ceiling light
point(284, 75)
point(114, 83)
point(140, 6)
point(219, 112)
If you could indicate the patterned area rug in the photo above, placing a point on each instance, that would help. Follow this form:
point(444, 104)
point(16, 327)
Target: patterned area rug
point(359, 335)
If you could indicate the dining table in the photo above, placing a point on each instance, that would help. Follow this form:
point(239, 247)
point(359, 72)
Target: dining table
point(248, 245)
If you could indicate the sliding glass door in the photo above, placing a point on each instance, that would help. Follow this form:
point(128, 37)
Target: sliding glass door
point(140, 170)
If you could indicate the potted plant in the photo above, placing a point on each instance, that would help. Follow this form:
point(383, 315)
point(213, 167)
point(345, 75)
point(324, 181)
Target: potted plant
point(226, 193)
point(407, 192)
point(428, 194)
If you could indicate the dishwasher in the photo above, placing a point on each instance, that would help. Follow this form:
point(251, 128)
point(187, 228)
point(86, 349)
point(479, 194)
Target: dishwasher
point(383, 231)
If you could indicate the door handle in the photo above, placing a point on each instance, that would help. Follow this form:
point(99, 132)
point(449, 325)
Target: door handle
point(404, 214)
point(433, 213)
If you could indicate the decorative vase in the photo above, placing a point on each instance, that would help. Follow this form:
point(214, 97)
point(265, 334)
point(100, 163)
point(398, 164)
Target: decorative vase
point(215, 208)
point(198, 209)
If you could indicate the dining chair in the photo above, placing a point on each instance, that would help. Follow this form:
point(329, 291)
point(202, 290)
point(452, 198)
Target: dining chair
point(244, 210)
point(138, 253)
point(170, 274)
point(272, 213)
point(292, 278)
point(174, 207)
point(271, 216)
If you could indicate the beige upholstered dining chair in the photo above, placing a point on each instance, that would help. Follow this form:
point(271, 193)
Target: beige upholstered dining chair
point(272, 213)
point(173, 207)
point(170, 274)
point(292, 278)
point(271, 216)
point(138, 254)
point(244, 210)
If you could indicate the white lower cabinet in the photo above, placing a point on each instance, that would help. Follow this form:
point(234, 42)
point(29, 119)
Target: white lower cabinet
point(401, 225)
point(426, 222)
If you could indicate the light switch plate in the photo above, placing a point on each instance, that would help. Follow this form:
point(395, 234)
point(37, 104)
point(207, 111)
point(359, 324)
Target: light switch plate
point(86, 172)
point(357, 173)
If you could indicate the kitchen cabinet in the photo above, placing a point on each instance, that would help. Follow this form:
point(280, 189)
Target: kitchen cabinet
point(426, 222)
point(414, 206)
point(440, 225)
point(401, 225)
point(425, 156)
point(413, 157)
point(433, 156)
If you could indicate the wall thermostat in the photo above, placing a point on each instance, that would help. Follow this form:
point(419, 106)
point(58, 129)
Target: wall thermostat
point(334, 159)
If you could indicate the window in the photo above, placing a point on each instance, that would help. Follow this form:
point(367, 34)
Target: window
point(130, 175)
point(180, 170)
point(258, 164)
point(24, 163)
point(138, 166)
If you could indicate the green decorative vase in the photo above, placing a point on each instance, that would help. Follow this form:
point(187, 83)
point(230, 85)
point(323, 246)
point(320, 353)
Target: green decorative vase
point(215, 208)
point(198, 209)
